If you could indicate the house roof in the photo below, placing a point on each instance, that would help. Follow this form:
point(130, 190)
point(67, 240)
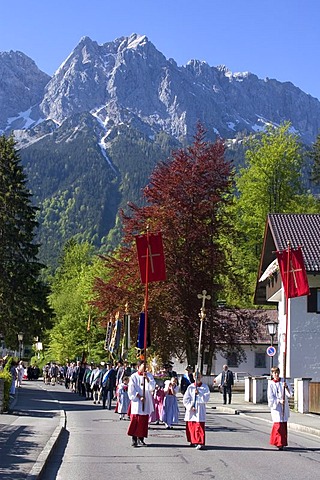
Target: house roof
point(300, 230)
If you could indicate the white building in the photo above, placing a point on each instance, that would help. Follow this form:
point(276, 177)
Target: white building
point(303, 320)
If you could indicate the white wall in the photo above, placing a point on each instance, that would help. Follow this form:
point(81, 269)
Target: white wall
point(303, 335)
point(245, 367)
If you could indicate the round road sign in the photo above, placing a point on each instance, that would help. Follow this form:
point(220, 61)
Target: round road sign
point(271, 351)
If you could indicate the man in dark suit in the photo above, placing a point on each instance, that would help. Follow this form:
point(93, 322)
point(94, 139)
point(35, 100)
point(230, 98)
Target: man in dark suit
point(226, 383)
point(108, 384)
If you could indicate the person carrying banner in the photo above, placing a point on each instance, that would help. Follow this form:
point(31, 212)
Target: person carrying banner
point(278, 393)
point(141, 405)
point(194, 401)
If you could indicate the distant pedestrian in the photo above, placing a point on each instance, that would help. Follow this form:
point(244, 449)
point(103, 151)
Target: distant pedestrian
point(14, 375)
point(194, 401)
point(108, 384)
point(123, 398)
point(20, 374)
point(158, 399)
point(95, 383)
point(226, 384)
point(170, 413)
point(278, 393)
point(186, 379)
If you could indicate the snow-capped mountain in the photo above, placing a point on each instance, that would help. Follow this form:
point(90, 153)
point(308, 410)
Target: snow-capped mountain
point(130, 81)
point(91, 135)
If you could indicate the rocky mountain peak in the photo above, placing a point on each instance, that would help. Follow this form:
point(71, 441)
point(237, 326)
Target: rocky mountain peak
point(21, 87)
point(129, 81)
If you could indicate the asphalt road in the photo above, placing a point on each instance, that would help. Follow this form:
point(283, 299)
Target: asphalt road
point(95, 446)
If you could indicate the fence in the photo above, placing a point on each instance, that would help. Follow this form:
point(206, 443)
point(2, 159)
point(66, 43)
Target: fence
point(314, 397)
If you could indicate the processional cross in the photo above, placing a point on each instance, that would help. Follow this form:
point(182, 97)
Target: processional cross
point(202, 316)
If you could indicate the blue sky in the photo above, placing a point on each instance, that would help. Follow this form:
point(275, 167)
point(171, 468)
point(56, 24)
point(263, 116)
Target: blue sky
point(271, 38)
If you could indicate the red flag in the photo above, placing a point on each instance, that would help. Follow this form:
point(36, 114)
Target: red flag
point(150, 246)
point(293, 273)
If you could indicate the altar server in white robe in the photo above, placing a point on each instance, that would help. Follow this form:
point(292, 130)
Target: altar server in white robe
point(278, 393)
point(141, 404)
point(194, 400)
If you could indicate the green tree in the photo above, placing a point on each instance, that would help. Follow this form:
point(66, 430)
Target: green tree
point(315, 155)
point(23, 304)
point(76, 333)
point(270, 182)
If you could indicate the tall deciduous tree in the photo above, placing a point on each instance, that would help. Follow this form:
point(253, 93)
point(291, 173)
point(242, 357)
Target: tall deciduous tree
point(270, 182)
point(76, 334)
point(23, 303)
point(184, 200)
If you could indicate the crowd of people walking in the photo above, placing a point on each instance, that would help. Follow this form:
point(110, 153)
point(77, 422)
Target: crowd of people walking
point(143, 398)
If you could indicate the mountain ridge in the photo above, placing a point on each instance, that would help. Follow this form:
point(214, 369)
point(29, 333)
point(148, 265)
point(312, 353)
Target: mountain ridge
point(90, 135)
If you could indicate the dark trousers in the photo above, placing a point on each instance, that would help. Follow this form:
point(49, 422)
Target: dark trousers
point(227, 391)
point(107, 398)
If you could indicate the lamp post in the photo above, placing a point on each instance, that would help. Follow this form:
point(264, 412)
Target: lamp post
point(20, 339)
point(272, 330)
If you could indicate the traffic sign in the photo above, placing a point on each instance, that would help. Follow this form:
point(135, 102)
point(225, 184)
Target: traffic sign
point(271, 351)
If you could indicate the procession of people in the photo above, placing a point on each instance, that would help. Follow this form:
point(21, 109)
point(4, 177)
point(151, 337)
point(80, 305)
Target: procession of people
point(142, 398)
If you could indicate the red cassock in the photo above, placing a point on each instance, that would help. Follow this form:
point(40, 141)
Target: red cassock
point(279, 434)
point(138, 426)
point(195, 432)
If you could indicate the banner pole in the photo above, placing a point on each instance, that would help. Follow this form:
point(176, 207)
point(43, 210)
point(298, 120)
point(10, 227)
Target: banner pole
point(146, 318)
point(286, 329)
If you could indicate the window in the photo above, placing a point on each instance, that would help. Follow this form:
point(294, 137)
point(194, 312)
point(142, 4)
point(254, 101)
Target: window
point(206, 358)
point(314, 300)
point(232, 360)
point(260, 360)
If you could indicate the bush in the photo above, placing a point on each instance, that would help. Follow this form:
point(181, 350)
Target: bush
point(6, 376)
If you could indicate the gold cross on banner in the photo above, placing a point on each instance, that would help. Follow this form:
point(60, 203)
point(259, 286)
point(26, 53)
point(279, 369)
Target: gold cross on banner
point(293, 271)
point(151, 255)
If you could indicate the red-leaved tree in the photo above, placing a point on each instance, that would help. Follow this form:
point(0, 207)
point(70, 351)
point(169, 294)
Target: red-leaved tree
point(184, 200)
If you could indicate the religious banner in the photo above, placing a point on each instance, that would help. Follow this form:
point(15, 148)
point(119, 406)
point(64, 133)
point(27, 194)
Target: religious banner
point(108, 335)
point(141, 330)
point(126, 336)
point(115, 338)
point(149, 246)
point(293, 272)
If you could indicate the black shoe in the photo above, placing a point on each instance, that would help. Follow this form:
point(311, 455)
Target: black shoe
point(134, 442)
point(141, 442)
point(280, 448)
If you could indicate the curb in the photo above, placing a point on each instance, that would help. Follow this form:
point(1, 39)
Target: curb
point(291, 426)
point(41, 462)
point(302, 428)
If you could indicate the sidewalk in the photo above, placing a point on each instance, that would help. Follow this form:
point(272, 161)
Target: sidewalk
point(307, 423)
point(28, 434)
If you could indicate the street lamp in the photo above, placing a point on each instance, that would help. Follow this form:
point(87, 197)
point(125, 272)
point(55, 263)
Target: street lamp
point(20, 339)
point(272, 330)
